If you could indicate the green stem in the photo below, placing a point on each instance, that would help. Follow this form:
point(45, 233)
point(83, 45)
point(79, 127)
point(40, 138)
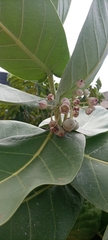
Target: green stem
point(51, 84)
point(52, 90)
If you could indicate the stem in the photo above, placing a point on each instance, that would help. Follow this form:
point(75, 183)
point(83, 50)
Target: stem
point(52, 90)
point(51, 84)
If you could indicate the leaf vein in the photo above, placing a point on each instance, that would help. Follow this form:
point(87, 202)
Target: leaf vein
point(47, 168)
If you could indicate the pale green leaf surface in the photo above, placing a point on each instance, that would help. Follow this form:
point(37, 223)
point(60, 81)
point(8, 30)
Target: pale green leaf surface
point(30, 160)
point(105, 237)
point(33, 45)
point(10, 128)
point(90, 51)
point(92, 179)
point(47, 216)
point(14, 96)
point(95, 123)
point(62, 7)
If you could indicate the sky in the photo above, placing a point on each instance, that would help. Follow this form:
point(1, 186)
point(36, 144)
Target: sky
point(73, 24)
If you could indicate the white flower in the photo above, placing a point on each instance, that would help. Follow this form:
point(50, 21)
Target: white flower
point(80, 83)
point(43, 104)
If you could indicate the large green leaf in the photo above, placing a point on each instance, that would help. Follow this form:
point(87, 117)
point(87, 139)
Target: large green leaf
point(87, 224)
point(95, 123)
point(33, 45)
point(90, 51)
point(92, 179)
point(14, 96)
point(30, 160)
point(47, 216)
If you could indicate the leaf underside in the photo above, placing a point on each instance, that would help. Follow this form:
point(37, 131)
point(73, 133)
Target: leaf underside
point(47, 216)
point(90, 51)
point(33, 45)
point(33, 159)
point(91, 180)
point(95, 123)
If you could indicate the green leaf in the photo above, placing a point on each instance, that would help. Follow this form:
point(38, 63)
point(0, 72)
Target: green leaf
point(90, 51)
point(30, 160)
point(47, 216)
point(105, 237)
point(62, 7)
point(33, 45)
point(11, 95)
point(92, 179)
point(11, 128)
point(95, 123)
point(87, 224)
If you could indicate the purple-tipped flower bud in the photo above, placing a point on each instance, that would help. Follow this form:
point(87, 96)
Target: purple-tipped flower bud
point(79, 92)
point(43, 104)
point(76, 108)
point(65, 100)
point(64, 108)
point(89, 110)
point(80, 83)
point(76, 102)
point(75, 114)
point(61, 132)
point(52, 123)
point(50, 97)
point(69, 124)
point(92, 101)
point(54, 129)
point(75, 111)
point(58, 130)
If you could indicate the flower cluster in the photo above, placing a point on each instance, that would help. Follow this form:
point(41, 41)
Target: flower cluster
point(69, 108)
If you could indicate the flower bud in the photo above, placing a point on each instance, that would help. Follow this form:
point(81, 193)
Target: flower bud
point(79, 92)
point(92, 101)
point(65, 100)
point(80, 83)
point(86, 92)
point(52, 123)
point(61, 132)
point(43, 104)
point(54, 129)
point(58, 130)
point(75, 114)
point(76, 102)
point(76, 126)
point(69, 124)
point(64, 108)
point(89, 110)
point(76, 108)
point(75, 111)
point(50, 97)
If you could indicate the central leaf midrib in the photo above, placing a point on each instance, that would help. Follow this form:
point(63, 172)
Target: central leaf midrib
point(22, 47)
point(95, 159)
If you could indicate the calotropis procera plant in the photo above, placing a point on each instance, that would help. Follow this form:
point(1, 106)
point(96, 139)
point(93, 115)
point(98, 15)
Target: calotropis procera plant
point(53, 183)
